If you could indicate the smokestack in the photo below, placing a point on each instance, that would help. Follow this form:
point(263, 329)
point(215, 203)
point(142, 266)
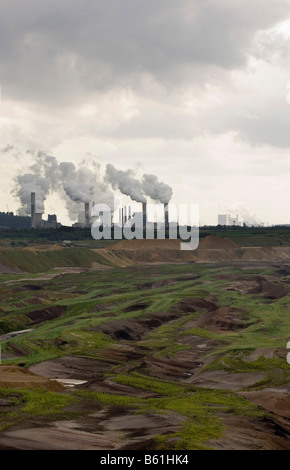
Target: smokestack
point(87, 214)
point(130, 214)
point(38, 220)
point(125, 214)
point(32, 210)
point(166, 216)
point(144, 210)
point(122, 216)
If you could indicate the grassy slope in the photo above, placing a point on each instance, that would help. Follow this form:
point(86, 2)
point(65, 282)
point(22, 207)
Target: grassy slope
point(37, 261)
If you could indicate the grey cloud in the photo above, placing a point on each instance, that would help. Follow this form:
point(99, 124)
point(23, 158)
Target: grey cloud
point(57, 51)
point(8, 148)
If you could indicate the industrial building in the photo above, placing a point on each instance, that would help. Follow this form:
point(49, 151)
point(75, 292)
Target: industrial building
point(36, 218)
point(226, 219)
point(85, 219)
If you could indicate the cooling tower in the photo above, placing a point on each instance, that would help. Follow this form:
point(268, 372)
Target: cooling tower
point(32, 210)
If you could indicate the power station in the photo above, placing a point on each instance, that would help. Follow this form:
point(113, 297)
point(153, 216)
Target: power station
point(85, 220)
point(36, 217)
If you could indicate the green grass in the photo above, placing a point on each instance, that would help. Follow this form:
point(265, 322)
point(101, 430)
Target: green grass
point(32, 402)
point(233, 362)
point(197, 407)
point(40, 402)
point(149, 383)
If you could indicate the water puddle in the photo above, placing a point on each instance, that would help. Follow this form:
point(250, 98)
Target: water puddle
point(70, 382)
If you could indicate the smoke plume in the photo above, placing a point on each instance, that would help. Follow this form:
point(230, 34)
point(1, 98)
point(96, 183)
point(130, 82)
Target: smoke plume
point(155, 189)
point(75, 184)
point(124, 182)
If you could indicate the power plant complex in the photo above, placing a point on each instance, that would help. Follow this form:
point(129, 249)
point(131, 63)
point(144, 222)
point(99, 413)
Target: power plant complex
point(36, 217)
point(125, 214)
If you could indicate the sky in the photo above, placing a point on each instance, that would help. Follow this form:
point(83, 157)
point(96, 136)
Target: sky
point(196, 92)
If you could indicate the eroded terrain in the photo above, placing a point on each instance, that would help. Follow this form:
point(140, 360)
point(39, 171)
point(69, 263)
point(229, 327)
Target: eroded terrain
point(160, 355)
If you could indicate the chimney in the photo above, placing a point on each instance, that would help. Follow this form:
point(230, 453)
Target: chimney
point(120, 216)
point(144, 210)
point(125, 214)
point(87, 214)
point(130, 213)
point(38, 220)
point(166, 216)
point(32, 210)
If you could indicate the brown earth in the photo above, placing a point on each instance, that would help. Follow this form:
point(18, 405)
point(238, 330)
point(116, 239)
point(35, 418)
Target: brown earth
point(211, 249)
point(221, 320)
point(18, 377)
point(195, 304)
point(217, 243)
point(244, 433)
point(112, 429)
point(268, 288)
point(136, 329)
point(144, 245)
point(274, 400)
point(49, 313)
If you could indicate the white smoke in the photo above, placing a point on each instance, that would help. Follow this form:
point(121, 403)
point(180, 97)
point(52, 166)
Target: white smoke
point(155, 189)
point(249, 218)
point(76, 185)
point(125, 183)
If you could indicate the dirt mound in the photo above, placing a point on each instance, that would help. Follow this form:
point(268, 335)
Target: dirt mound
point(222, 319)
point(32, 287)
point(156, 284)
point(244, 287)
point(135, 330)
point(246, 433)
point(8, 270)
point(36, 301)
point(217, 243)
point(18, 377)
point(136, 307)
point(267, 286)
point(275, 401)
point(223, 380)
point(195, 304)
point(145, 244)
point(284, 271)
point(50, 313)
point(270, 290)
point(167, 368)
point(167, 282)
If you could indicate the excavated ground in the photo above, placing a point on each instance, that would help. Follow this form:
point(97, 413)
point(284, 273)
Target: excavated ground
point(116, 427)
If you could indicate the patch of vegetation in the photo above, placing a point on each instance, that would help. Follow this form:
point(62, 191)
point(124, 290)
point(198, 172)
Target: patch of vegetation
point(149, 383)
point(233, 362)
point(32, 402)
